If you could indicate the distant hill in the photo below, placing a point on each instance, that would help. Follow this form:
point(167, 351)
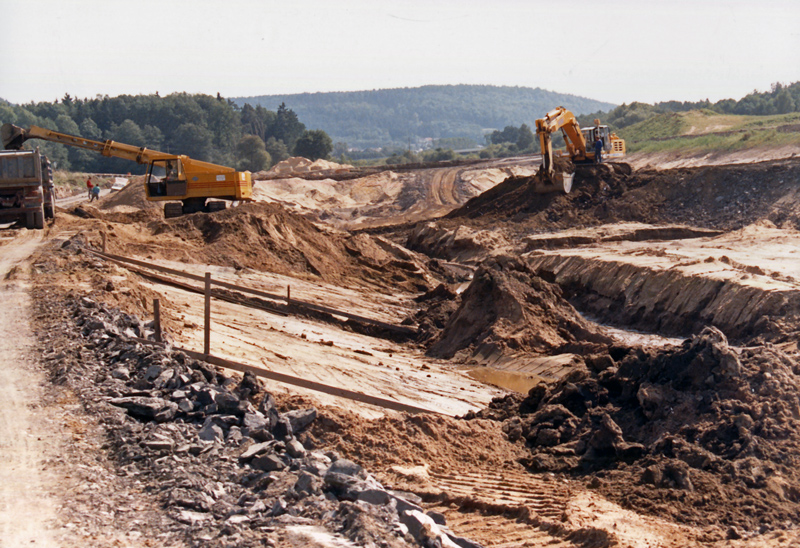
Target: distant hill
point(394, 116)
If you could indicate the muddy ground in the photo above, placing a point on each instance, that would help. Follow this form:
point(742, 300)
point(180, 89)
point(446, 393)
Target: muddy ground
point(544, 335)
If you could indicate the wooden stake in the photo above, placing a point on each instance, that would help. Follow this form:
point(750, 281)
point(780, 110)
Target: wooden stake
point(103, 234)
point(207, 326)
point(157, 319)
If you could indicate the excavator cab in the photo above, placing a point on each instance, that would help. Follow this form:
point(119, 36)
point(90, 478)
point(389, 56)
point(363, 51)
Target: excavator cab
point(166, 178)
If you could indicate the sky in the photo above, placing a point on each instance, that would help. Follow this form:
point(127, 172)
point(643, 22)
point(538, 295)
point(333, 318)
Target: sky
point(617, 51)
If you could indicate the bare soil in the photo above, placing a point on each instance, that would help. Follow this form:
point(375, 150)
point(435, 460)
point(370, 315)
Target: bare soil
point(617, 443)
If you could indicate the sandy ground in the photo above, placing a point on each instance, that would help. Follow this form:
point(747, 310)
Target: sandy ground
point(27, 437)
point(758, 261)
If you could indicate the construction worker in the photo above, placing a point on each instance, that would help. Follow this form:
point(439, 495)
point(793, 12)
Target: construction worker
point(598, 150)
point(95, 192)
point(89, 186)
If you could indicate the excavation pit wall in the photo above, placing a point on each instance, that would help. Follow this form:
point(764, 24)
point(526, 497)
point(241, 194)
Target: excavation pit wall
point(670, 300)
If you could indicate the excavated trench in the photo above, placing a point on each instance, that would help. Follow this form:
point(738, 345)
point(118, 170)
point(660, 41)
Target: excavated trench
point(668, 300)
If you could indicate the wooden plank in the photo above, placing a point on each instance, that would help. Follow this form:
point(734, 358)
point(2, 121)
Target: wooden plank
point(297, 381)
point(280, 298)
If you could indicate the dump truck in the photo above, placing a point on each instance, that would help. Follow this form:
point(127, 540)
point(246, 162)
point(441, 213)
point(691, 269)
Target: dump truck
point(27, 194)
point(552, 179)
point(184, 184)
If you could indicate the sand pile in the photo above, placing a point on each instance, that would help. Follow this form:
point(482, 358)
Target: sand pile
point(508, 308)
point(128, 200)
point(724, 197)
point(267, 237)
point(704, 434)
point(297, 165)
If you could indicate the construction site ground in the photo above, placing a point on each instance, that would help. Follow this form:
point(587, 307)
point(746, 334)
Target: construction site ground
point(503, 292)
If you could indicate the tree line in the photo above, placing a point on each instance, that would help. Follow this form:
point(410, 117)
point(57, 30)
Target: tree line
point(203, 127)
point(780, 99)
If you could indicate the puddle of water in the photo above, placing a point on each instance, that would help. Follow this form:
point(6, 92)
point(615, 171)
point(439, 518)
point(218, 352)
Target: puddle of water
point(510, 380)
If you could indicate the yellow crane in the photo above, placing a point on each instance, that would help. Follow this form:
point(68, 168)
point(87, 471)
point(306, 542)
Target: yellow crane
point(183, 183)
point(576, 138)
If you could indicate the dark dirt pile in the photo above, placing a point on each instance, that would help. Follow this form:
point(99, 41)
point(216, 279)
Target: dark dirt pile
point(507, 308)
point(702, 433)
point(724, 197)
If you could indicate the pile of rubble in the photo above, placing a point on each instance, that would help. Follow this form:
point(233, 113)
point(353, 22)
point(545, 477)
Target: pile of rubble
point(704, 433)
point(226, 464)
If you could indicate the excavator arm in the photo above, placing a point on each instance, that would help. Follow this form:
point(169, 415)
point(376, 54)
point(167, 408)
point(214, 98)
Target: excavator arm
point(14, 136)
point(559, 118)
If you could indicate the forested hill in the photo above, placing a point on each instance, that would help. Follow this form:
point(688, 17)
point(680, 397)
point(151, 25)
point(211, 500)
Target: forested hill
point(393, 116)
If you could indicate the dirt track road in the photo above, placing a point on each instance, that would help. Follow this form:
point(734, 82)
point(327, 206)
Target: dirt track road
point(26, 510)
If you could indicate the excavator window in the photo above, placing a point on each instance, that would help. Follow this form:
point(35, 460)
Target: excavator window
point(166, 178)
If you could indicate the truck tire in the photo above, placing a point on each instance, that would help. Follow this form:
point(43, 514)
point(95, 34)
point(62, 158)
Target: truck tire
point(49, 212)
point(29, 220)
point(172, 210)
point(38, 219)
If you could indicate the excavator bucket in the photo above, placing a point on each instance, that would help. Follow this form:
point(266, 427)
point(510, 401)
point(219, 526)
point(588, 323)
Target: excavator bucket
point(13, 136)
point(559, 181)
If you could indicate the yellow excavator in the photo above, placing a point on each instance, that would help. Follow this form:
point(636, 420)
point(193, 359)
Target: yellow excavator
point(183, 183)
point(550, 178)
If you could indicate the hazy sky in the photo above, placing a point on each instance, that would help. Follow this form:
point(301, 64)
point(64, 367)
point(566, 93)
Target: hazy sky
point(612, 50)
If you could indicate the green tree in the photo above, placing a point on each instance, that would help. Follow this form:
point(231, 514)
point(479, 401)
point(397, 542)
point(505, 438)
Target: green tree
point(277, 150)
point(89, 129)
point(784, 102)
point(193, 140)
point(314, 144)
point(525, 139)
point(287, 127)
point(252, 154)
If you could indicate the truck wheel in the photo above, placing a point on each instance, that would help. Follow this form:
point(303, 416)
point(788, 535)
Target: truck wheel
point(216, 205)
point(38, 219)
point(172, 210)
point(29, 220)
point(49, 212)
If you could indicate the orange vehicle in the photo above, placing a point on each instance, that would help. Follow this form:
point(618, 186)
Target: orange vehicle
point(184, 184)
point(576, 137)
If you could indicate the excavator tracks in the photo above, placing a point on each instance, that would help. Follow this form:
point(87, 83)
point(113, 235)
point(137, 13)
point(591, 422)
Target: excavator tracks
point(483, 506)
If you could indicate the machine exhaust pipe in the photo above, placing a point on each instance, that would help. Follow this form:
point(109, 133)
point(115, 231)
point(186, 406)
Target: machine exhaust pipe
point(13, 136)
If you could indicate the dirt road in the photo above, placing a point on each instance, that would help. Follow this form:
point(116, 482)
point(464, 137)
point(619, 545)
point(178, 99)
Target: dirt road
point(26, 509)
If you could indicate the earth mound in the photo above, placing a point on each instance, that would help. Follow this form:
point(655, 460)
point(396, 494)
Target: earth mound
point(266, 236)
point(508, 308)
point(725, 197)
point(702, 433)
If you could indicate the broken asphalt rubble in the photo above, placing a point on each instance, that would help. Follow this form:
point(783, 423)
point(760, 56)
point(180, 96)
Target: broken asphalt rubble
point(228, 467)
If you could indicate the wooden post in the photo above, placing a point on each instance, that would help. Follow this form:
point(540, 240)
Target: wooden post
point(157, 319)
point(207, 326)
point(103, 234)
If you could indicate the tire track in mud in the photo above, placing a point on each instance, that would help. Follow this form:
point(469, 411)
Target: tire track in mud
point(493, 494)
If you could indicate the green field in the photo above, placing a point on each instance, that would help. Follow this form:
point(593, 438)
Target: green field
point(700, 131)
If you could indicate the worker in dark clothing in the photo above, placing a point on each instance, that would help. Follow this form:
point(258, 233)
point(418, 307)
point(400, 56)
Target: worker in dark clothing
point(598, 150)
